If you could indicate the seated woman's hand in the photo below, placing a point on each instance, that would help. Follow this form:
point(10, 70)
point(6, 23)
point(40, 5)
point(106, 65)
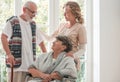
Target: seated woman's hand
point(37, 73)
point(55, 75)
point(34, 72)
point(46, 77)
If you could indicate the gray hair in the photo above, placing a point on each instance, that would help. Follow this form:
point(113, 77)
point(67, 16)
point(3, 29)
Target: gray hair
point(65, 41)
point(28, 3)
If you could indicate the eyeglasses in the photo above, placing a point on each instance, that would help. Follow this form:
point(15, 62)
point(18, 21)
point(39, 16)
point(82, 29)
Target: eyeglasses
point(33, 12)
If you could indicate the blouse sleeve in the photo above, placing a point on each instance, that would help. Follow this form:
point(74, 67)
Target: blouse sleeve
point(39, 37)
point(82, 38)
point(58, 30)
point(81, 51)
point(54, 34)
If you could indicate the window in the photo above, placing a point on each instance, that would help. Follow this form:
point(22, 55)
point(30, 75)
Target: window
point(48, 17)
point(6, 5)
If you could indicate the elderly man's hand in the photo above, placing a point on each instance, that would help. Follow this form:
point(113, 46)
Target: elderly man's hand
point(10, 60)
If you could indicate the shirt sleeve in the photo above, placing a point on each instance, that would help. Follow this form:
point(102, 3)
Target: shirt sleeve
point(7, 30)
point(37, 61)
point(69, 70)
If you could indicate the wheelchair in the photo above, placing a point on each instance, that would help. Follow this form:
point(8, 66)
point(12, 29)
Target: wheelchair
point(29, 78)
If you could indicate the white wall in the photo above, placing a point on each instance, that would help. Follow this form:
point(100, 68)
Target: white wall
point(109, 41)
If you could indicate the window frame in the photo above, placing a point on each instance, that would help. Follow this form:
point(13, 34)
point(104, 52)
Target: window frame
point(92, 35)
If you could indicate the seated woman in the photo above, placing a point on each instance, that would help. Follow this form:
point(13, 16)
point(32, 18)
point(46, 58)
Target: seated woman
point(55, 66)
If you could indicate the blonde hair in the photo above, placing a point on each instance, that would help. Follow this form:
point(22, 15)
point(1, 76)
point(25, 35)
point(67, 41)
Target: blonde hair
point(76, 11)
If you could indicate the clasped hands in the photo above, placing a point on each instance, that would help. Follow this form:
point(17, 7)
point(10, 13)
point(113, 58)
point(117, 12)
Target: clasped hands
point(46, 77)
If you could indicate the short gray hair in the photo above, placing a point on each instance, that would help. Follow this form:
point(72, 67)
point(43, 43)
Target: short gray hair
point(27, 4)
point(65, 41)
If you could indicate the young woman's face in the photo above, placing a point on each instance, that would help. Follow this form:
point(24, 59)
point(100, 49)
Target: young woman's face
point(68, 14)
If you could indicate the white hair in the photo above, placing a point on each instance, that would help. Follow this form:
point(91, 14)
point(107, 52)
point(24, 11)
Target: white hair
point(27, 4)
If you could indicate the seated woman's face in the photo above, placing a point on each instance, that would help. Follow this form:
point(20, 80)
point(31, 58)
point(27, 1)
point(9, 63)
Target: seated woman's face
point(57, 46)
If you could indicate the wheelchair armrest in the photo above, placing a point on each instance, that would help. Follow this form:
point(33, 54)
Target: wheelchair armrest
point(68, 79)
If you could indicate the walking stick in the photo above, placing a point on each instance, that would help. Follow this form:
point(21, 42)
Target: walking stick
point(12, 73)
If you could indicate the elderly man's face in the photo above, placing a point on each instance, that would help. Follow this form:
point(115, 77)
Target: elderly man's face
point(57, 46)
point(30, 12)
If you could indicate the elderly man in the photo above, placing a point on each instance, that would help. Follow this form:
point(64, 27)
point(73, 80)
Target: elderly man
point(55, 66)
point(19, 38)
